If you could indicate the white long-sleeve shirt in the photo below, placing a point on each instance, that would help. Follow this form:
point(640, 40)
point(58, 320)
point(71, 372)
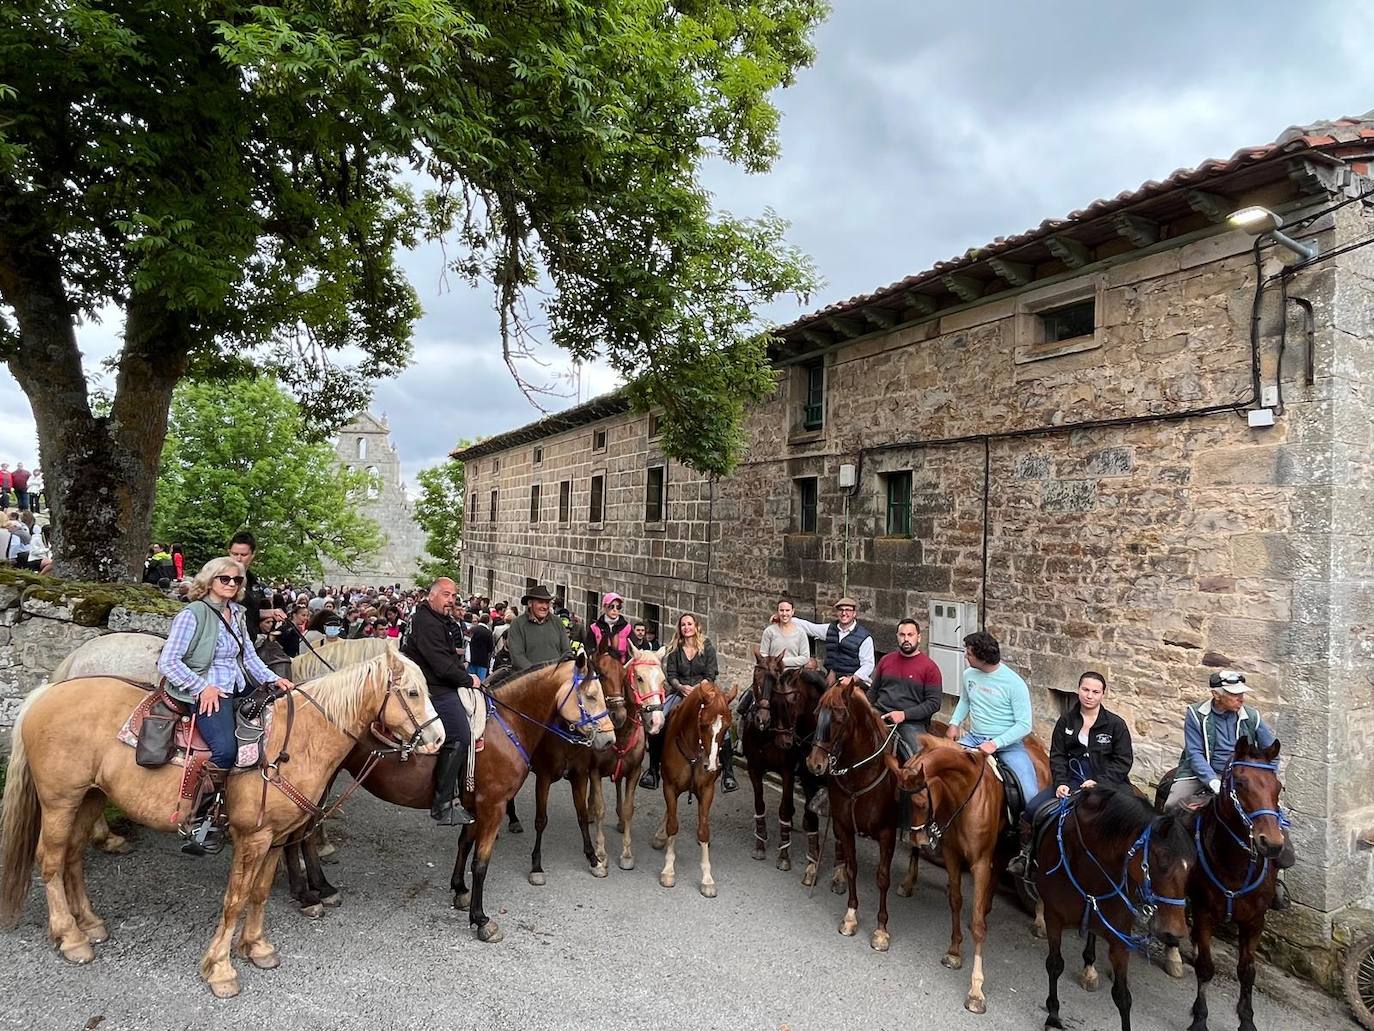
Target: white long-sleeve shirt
point(866, 661)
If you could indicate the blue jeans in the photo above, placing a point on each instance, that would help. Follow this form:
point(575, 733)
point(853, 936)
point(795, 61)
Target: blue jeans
point(480, 672)
point(1016, 757)
point(218, 730)
point(457, 732)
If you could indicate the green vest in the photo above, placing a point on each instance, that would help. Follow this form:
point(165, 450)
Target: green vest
point(1246, 730)
point(200, 653)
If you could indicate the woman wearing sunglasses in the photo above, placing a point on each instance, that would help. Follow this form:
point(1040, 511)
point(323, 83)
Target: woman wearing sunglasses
point(611, 624)
point(207, 660)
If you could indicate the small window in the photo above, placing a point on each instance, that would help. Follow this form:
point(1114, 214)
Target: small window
point(560, 595)
point(655, 425)
point(537, 455)
point(472, 575)
point(534, 502)
point(591, 603)
point(653, 616)
point(475, 514)
point(596, 509)
point(362, 448)
point(655, 495)
point(492, 516)
point(496, 465)
point(565, 501)
point(491, 584)
point(1069, 322)
point(530, 584)
point(898, 504)
point(598, 440)
point(374, 483)
point(813, 407)
point(806, 504)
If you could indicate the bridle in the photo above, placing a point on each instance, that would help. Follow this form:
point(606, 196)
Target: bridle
point(768, 717)
point(1257, 866)
point(649, 701)
point(933, 831)
point(573, 732)
point(832, 758)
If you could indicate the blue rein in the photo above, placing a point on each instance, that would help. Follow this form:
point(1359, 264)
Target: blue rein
point(1149, 901)
point(585, 718)
point(1257, 869)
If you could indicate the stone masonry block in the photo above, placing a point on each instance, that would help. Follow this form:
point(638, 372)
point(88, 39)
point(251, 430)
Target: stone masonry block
point(1069, 496)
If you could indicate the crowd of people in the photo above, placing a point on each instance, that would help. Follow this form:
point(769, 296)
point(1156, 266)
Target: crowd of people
point(24, 543)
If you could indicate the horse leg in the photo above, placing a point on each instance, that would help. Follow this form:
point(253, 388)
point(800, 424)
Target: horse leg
point(295, 881)
point(844, 843)
point(954, 872)
point(708, 794)
point(487, 825)
point(978, 924)
point(513, 821)
point(107, 840)
point(760, 814)
point(1088, 979)
point(462, 897)
point(1054, 967)
point(324, 848)
point(625, 805)
point(786, 811)
point(887, 844)
point(1121, 987)
point(812, 825)
point(1245, 974)
point(668, 831)
point(541, 820)
point(314, 873)
point(77, 899)
point(1173, 961)
point(53, 852)
point(908, 884)
point(596, 804)
point(215, 967)
point(1203, 965)
point(579, 795)
point(253, 944)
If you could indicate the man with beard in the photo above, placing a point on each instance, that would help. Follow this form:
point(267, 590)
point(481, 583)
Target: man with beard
point(906, 689)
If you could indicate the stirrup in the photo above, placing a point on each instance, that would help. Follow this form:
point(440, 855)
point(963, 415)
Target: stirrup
point(205, 840)
point(451, 815)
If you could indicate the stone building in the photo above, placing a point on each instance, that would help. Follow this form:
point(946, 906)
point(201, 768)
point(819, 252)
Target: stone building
point(1131, 440)
point(365, 444)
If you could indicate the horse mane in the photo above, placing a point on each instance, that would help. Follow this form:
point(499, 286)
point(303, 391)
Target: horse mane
point(508, 678)
point(813, 678)
point(340, 694)
point(340, 653)
point(1122, 814)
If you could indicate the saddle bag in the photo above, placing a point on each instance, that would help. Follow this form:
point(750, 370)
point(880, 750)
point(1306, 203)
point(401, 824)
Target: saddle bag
point(157, 739)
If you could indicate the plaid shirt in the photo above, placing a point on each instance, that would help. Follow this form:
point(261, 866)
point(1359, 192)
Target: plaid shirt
point(224, 672)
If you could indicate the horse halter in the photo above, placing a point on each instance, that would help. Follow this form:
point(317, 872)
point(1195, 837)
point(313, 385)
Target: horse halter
point(1257, 866)
point(932, 829)
point(378, 729)
point(1249, 816)
point(585, 725)
point(649, 701)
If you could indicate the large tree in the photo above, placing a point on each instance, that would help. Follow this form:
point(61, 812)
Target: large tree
point(236, 179)
point(238, 456)
point(439, 510)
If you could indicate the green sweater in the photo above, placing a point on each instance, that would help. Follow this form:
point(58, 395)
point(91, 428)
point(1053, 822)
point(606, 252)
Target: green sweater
point(532, 643)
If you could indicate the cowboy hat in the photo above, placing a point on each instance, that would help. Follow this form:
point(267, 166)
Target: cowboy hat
point(537, 593)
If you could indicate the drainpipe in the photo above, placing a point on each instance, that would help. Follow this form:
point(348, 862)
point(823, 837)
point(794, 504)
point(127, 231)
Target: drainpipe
point(844, 558)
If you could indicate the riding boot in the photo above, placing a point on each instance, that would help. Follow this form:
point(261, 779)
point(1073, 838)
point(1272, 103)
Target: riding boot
point(1020, 863)
point(447, 810)
point(649, 779)
point(205, 829)
point(727, 766)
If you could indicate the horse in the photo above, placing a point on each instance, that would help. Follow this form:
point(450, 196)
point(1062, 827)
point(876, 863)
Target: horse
point(524, 706)
point(692, 740)
point(66, 761)
point(959, 807)
point(642, 689)
point(1110, 863)
point(774, 740)
point(1241, 840)
point(851, 748)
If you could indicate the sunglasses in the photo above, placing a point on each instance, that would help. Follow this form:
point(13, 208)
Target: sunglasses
point(1231, 679)
point(613, 605)
point(227, 580)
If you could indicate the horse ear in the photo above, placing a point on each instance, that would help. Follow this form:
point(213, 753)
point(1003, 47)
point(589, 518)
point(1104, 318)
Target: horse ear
point(758, 656)
point(581, 662)
point(1271, 753)
point(733, 694)
point(1242, 750)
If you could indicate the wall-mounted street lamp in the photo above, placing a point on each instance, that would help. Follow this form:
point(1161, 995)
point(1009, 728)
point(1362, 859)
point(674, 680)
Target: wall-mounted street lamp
point(1259, 221)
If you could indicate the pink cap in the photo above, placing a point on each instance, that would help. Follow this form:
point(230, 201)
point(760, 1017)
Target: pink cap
point(609, 597)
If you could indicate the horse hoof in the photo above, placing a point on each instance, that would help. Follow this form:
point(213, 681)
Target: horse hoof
point(536, 878)
point(97, 934)
point(848, 928)
point(627, 862)
point(326, 850)
point(462, 899)
point(599, 870)
point(975, 1005)
point(79, 955)
point(516, 827)
point(333, 901)
point(490, 932)
point(758, 853)
point(880, 941)
point(903, 891)
point(708, 891)
point(225, 989)
point(952, 961)
point(1088, 980)
point(1174, 968)
point(839, 887)
point(1037, 930)
point(667, 879)
point(315, 911)
point(114, 845)
point(784, 863)
point(809, 878)
point(268, 962)
point(660, 844)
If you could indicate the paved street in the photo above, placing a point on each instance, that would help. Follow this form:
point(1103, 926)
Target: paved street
point(609, 954)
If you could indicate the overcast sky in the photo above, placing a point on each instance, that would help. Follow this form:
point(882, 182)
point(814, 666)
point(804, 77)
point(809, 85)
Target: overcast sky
point(922, 130)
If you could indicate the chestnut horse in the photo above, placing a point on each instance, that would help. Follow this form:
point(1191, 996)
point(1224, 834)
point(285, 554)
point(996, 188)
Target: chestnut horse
point(1106, 864)
point(851, 748)
point(558, 699)
point(1241, 844)
point(959, 807)
point(775, 740)
point(694, 735)
point(67, 760)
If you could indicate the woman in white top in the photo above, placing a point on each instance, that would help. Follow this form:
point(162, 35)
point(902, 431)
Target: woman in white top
point(786, 637)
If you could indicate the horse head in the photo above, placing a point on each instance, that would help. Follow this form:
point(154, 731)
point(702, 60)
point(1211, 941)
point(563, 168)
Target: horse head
point(611, 670)
point(713, 722)
point(1251, 785)
point(940, 769)
point(406, 715)
point(833, 722)
point(648, 685)
point(582, 706)
point(767, 675)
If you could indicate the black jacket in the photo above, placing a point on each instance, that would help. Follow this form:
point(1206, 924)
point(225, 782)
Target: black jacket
point(479, 644)
point(430, 646)
point(1108, 757)
point(683, 673)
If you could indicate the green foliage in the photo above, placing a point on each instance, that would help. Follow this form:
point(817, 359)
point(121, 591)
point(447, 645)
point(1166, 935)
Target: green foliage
point(237, 178)
point(439, 511)
point(237, 455)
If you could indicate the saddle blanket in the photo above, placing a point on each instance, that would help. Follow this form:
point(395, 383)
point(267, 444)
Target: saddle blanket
point(248, 754)
point(475, 703)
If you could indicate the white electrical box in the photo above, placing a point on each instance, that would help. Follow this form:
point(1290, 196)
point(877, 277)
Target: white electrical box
point(847, 476)
point(1259, 417)
point(950, 622)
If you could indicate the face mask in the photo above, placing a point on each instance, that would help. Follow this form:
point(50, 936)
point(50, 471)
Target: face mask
point(332, 631)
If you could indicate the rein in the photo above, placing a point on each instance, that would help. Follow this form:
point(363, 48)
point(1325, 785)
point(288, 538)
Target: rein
point(1257, 866)
point(1142, 912)
point(836, 772)
point(574, 736)
point(933, 831)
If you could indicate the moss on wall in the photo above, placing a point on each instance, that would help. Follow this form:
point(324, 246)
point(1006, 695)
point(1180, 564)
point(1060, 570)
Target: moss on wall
point(90, 603)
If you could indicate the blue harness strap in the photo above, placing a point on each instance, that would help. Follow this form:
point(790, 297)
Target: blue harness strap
point(585, 718)
point(1257, 868)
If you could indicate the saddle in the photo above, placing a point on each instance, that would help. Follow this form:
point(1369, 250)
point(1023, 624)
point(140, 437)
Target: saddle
point(1011, 793)
point(160, 731)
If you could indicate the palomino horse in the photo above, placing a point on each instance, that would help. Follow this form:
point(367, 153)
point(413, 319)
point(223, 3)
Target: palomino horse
point(693, 738)
point(522, 710)
point(1106, 864)
point(1241, 845)
point(851, 748)
point(775, 739)
point(642, 691)
point(67, 761)
point(960, 808)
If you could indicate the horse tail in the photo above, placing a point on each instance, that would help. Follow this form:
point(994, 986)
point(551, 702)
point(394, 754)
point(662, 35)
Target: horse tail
point(19, 825)
point(63, 670)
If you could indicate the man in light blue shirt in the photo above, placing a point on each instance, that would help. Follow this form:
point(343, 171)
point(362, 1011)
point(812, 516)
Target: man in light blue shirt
point(997, 703)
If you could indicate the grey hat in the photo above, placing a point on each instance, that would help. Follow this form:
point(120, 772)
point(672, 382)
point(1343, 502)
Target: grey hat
point(537, 593)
